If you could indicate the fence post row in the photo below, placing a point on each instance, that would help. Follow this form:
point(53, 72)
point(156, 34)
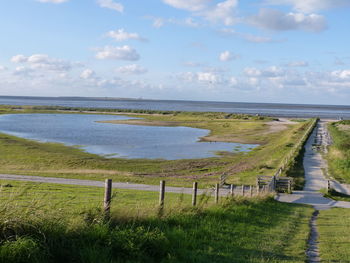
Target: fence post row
point(108, 197)
point(194, 196)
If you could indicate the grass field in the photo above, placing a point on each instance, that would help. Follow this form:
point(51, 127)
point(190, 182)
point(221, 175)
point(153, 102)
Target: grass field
point(334, 226)
point(236, 230)
point(20, 156)
point(339, 153)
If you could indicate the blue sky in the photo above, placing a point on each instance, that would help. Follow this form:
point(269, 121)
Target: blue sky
point(288, 51)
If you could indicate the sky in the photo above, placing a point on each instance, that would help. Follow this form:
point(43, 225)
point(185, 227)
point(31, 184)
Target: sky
point(281, 51)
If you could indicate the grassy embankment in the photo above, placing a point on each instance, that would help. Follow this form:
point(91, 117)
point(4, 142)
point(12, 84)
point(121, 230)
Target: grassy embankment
point(334, 241)
point(20, 156)
point(339, 153)
point(237, 230)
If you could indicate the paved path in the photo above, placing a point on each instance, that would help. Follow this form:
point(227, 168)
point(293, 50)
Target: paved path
point(130, 186)
point(315, 180)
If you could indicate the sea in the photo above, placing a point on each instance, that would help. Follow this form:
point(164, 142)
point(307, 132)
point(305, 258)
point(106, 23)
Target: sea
point(265, 109)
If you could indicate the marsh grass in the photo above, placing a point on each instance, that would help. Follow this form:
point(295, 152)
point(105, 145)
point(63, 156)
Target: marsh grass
point(22, 156)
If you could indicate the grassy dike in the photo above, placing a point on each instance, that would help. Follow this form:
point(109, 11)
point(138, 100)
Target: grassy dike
point(237, 230)
point(20, 156)
point(339, 153)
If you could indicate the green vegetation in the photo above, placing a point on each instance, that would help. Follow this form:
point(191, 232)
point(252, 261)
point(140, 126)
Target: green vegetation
point(20, 156)
point(237, 230)
point(339, 153)
point(74, 198)
point(297, 171)
point(333, 194)
point(334, 226)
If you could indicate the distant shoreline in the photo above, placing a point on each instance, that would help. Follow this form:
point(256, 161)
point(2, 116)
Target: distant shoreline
point(263, 109)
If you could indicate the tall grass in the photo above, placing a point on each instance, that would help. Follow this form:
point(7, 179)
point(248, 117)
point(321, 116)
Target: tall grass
point(339, 152)
point(237, 230)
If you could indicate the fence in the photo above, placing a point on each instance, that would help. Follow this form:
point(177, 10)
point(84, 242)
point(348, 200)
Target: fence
point(73, 198)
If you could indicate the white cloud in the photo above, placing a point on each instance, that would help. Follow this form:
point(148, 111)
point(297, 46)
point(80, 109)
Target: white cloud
point(121, 35)
point(21, 70)
point(190, 5)
point(309, 6)
point(227, 56)
point(110, 4)
point(19, 59)
point(43, 61)
point(201, 77)
point(159, 22)
point(298, 64)
point(3, 68)
point(118, 53)
point(207, 77)
point(252, 72)
point(222, 12)
point(233, 81)
point(132, 69)
point(53, 1)
point(227, 32)
point(88, 74)
point(193, 64)
point(341, 74)
point(271, 72)
point(276, 20)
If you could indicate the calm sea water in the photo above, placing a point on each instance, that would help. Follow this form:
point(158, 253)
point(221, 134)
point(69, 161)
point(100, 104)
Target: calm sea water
point(115, 140)
point(282, 110)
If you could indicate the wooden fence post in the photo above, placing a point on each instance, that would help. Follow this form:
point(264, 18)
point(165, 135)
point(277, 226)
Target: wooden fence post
point(108, 197)
point(161, 194)
point(328, 186)
point(242, 190)
point(217, 187)
point(232, 190)
point(251, 190)
point(289, 186)
point(194, 194)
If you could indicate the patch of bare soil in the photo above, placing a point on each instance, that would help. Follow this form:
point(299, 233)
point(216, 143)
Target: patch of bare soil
point(278, 126)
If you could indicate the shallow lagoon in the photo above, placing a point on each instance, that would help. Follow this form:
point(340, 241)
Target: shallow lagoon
point(116, 140)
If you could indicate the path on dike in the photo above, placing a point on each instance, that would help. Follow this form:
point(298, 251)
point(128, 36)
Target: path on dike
point(314, 177)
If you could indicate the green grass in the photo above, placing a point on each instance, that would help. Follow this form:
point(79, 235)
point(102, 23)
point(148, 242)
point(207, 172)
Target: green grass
point(334, 241)
point(73, 199)
point(237, 230)
point(339, 153)
point(20, 156)
point(333, 194)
